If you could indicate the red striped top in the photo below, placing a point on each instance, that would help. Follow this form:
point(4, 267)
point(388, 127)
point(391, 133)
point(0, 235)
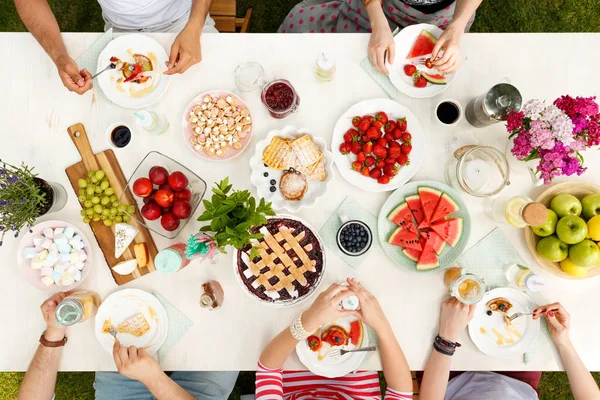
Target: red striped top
point(275, 384)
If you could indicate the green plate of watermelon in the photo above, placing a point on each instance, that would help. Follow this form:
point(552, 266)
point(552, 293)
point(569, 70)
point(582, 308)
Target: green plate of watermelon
point(424, 225)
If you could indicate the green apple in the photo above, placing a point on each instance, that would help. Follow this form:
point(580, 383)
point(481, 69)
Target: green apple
point(553, 249)
point(591, 205)
point(547, 228)
point(585, 254)
point(571, 229)
point(565, 204)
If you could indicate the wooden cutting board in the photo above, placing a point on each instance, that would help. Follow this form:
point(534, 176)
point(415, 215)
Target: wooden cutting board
point(105, 235)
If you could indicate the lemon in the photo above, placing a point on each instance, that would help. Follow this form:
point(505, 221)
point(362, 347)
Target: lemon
point(594, 228)
point(573, 269)
point(512, 212)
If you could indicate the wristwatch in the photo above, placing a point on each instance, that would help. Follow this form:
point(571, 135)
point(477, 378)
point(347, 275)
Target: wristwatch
point(46, 343)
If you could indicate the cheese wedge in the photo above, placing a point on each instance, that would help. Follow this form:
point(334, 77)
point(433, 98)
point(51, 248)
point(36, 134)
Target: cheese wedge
point(125, 267)
point(124, 235)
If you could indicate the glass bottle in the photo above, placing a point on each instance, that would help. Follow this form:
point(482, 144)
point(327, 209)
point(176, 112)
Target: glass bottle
point(151, 122)
point(524, 278)
point(213, 295)
point(517, 211)
point(78, 307)
point(172, 259)
point(325, 67)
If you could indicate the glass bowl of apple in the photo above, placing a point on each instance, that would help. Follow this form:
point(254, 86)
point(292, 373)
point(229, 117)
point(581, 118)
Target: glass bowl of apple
point(166, 192)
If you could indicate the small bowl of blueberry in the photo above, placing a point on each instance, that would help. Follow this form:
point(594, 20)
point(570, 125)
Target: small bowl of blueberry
point(354, 238)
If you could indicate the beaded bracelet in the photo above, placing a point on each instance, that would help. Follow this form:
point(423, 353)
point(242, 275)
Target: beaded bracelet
point(444, 346)
point(297, 329)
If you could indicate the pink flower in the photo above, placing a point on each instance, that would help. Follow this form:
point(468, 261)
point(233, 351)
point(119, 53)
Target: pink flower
point(521, 145)
point(514, 120)
point(541, 136)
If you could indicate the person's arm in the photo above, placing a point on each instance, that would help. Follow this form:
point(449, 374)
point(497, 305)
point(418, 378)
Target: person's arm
point(39, 19)
point(395, 367)
point(186, 50)
point(559, 321)
point(136, 364)
point(40, 378)
point(454, 317)
point(450, 39)
point(381, 39)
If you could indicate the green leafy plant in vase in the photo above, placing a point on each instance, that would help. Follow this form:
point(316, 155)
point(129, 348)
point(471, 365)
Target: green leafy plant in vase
point(232, 215)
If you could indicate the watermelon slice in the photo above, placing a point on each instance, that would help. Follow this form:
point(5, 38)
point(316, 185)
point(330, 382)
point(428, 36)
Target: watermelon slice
point(445, 207)
point(435, 78)
point(414, 254)
point(414, 204)
point(423, 45)
point(405, 238)
point(450, 230)
point(429, 199)
point(437, 243)
point(402, 217)
point(356, 333)
point(428, 259)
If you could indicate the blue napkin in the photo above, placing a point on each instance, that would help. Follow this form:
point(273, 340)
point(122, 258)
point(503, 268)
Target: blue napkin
point(382, 79)
point(89, 59)
point(179, 325)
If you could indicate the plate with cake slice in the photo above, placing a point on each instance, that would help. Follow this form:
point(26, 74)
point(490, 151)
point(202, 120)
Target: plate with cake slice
point(292, 168)
point(137, 316)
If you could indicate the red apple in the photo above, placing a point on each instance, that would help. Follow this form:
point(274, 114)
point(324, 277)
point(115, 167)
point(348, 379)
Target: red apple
point(151, 211)
point(185, 195)
point(142, 187)
point(178, 181)
point(182, 209)
point(169, 222)
point(158, 175)
point(163, 198)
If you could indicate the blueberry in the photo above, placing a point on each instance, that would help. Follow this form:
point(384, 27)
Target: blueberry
point(273, 189)
point(489, 312)
point(502, 307)
point(265, 165)
point(273, 181)
point(266, 174)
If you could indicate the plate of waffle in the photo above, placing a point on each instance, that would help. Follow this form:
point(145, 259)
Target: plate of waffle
point(138, 318)
point(292, 168)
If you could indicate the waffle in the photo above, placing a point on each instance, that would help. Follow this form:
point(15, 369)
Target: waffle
point(316, 171)
point(305, 150)
point(300, 154)
point(136, 326)
point(107, 326)
point(276, 153)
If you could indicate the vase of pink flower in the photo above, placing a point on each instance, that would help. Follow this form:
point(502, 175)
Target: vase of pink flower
point(551, 137)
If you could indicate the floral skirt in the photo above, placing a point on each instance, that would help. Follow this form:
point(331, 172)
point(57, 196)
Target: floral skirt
point(330, 16)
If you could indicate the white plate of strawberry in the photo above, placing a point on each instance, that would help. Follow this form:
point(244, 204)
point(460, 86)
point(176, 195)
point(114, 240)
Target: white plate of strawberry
point(378, 145)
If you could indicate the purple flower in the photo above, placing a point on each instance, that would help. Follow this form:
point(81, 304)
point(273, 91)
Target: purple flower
point(3, 203)
point(2, 227)
point(3, 171)
point(12, 179)
point(23, 201)
point(521, 145)
point(2, 185)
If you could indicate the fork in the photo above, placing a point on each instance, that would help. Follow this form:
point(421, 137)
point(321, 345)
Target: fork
point(113, 332)
point(517, 315)
point(340, 352)
point(110, 66)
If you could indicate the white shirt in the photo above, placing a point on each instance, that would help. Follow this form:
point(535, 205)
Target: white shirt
point(140, 14)
point(488, 386)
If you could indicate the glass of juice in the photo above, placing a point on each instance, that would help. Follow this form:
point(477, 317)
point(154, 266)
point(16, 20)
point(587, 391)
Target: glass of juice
point(466, 287)
point(280, 98)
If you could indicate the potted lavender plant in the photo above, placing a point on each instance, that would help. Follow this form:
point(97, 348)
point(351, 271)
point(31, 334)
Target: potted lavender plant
point(24, 197)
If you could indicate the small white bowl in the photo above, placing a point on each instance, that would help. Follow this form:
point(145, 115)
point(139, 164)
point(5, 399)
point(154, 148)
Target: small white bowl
point(109, 130)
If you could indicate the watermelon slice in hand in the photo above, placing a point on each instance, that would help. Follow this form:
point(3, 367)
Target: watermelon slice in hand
point(428, 258)
point(429, 199)
point(450, 230)
point(423, 45)
point(445, 207)
point(405, 238)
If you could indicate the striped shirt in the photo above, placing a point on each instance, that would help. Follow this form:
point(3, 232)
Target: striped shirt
point(275, 384)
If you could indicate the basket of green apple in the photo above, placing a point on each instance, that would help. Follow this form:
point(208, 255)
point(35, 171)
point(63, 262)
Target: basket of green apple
point(568, 243)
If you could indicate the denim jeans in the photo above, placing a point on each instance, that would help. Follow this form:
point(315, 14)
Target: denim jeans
point(204, 385)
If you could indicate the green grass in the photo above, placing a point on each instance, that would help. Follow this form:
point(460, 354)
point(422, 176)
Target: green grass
point(492, 16)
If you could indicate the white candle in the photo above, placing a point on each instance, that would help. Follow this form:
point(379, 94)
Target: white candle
point(476, 173)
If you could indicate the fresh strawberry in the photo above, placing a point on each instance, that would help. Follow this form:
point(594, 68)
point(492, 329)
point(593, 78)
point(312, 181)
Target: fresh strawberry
point(409, 69)
point(394, 145)
point(364, 138)
point(365, 171)
point(420, 82)
point(384, 179)
point(389, 161)
point(356, 147)
point(406, 148)
point(380, 164)
point(369, 118)
point(402, 159)
point(348, 138)
point(388, 137)
point(381, 117)
point(406, 137)
point(345, 148)
point(379, 151)
point(373, 133)
point(402, 124)
point(394, 152)
point(356, 121)
point(368, 147)
point(390, 126)
point(375, 173)
point(390, 170)
point(356, 166)
point(364, 125)
point(377, 124)
point(397, 134)
point(370, 161)
point(361, 157)
point(382, 142)
point(429, 63)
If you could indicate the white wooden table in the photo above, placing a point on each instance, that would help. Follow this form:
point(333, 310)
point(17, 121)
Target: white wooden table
point(35, 110)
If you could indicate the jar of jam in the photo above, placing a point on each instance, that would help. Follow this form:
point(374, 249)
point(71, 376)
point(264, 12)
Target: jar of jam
point(280, 98)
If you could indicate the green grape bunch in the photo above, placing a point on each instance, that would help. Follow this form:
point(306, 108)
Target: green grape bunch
point(99, 201)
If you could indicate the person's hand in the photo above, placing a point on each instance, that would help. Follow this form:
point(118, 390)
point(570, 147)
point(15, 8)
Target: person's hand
point(454, 317)
point(135, 363)
point(559, 321)
point(325, 307)
point(185, 50)
point(370, 310)
point(381, 40)
point(75, 80)
point(54, 332)
point(449, 42)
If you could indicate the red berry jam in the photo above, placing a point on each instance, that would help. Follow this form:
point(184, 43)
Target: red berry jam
point(280, 98)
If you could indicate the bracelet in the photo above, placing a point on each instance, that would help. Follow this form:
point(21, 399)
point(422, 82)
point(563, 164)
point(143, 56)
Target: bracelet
point(444, 346)
point(297, 329)
point(46, 343)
